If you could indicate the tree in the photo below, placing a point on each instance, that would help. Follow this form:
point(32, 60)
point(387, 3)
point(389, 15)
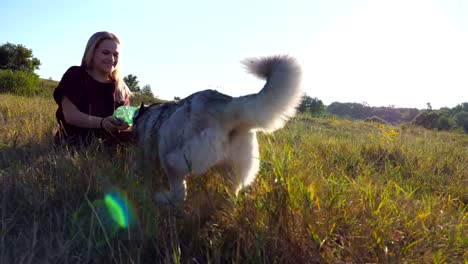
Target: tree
point(459, 108)
point(18, 58)
point(132, 83)
point(146, 90)
point(311, 105)
point(429, 106)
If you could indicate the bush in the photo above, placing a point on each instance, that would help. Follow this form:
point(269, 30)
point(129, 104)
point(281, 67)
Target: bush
point(19, 82)
point(461, 118)
point(445, 123)
point(440, 120)
point(427, 119)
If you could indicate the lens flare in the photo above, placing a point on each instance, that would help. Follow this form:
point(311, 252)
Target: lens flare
point(119, 209)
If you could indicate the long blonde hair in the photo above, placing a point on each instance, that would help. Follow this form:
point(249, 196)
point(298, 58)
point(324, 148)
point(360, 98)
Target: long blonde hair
point(94, 41)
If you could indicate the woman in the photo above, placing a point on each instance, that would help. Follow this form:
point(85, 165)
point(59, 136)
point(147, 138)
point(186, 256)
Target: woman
point(88, 94)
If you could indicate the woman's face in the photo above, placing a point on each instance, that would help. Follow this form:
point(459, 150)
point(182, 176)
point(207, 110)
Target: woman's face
point(106, 57)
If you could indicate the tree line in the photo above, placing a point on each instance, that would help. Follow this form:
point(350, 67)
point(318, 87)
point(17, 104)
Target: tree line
point(143, 94)
point(441, 119)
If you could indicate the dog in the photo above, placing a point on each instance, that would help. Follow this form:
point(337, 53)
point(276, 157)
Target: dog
point(209, 129)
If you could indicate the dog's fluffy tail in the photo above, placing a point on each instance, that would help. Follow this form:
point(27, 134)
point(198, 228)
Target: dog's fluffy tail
point(269, 109)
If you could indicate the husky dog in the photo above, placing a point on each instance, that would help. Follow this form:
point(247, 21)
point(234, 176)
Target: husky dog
point(210, 129)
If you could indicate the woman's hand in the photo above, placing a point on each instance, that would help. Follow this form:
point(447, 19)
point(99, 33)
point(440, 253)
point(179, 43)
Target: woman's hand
point(113, 125)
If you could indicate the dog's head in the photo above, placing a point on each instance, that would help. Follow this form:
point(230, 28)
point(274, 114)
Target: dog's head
point(140, 112)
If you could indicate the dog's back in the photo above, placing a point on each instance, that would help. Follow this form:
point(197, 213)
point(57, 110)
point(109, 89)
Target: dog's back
point(210, 129)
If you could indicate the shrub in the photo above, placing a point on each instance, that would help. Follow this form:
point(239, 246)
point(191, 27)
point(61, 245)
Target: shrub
point(427, 119)
point(19, 82)
point(461, 119)
point(445, 122)
point(439, 119)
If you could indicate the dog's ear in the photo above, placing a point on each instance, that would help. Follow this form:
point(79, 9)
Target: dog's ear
point(139, 112)
point(142, 107)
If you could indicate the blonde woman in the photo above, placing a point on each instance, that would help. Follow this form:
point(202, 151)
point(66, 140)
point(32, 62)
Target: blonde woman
point(88, 94)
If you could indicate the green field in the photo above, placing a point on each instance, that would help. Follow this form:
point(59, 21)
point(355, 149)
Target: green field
point(329, 191)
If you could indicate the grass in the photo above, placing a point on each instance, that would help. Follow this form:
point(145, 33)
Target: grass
point(329, 191)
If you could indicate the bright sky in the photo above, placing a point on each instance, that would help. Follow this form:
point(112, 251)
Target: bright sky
point(383, 52)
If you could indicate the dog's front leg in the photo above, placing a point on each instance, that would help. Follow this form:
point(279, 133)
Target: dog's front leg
point(175, 195)
point(176, 166)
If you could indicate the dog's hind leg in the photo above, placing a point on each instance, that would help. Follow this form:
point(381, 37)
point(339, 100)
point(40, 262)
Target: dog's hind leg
point(244, 159)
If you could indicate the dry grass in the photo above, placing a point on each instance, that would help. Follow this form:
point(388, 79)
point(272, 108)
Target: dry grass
point(329, 191)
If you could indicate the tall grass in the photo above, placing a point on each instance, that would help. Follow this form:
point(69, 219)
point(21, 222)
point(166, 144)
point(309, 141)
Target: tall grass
point(329, 191)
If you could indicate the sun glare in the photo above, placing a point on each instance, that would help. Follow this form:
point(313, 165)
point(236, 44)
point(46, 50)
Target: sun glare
point(118, 208)
point(404, 53)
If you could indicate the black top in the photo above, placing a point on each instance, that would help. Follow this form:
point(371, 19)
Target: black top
point(90, 97)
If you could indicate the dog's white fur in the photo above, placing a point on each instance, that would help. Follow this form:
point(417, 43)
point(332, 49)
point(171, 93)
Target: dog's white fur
point(209, 129)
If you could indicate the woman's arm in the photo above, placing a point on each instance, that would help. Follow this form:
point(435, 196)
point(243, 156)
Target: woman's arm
point(74, 116)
